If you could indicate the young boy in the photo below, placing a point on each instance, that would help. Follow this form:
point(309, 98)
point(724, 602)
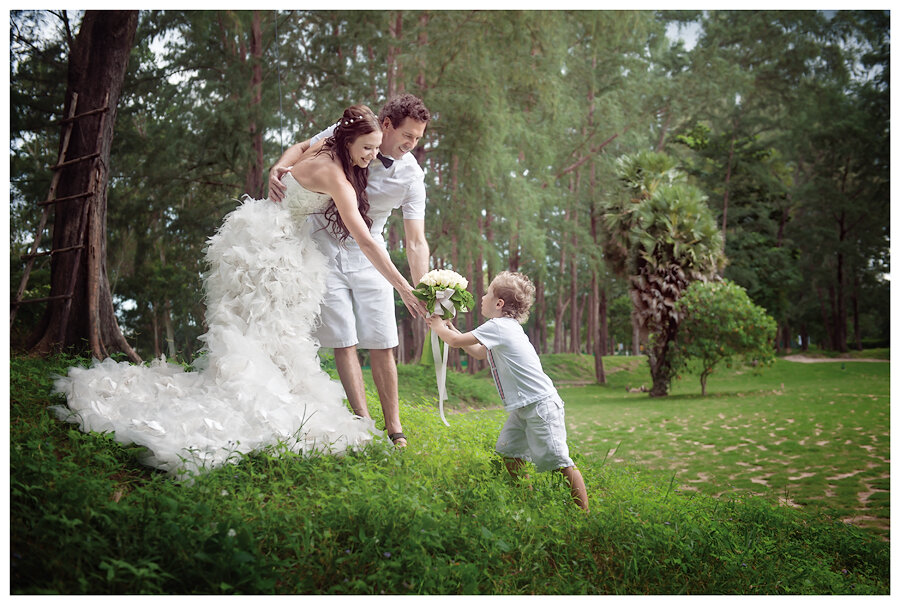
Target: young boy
point(535, 429)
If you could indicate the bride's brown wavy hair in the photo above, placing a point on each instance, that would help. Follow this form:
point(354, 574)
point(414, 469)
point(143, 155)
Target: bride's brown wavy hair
point(357, 120)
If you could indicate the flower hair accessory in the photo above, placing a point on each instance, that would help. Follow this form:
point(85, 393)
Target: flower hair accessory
point(444, 293)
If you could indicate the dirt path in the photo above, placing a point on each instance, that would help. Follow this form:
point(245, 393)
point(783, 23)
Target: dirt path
point(805, 359)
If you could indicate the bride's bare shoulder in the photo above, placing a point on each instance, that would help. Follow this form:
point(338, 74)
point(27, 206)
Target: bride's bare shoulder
point(320, 173)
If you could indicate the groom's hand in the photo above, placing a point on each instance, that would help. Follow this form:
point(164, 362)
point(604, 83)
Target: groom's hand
point(415, 306)
point(276, 187)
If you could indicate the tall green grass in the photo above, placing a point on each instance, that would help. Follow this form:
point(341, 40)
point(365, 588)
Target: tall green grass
point(439, 517)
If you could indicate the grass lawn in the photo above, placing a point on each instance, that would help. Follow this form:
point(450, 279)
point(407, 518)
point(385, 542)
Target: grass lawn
point(810, 435)
point(814, 435)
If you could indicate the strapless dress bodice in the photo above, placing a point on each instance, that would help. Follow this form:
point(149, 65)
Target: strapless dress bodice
point(302, 202)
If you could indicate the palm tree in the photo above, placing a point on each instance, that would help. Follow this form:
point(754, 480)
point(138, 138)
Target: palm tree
point(661, 236)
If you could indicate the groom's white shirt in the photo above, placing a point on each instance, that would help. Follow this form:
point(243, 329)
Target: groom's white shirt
point(402, 185)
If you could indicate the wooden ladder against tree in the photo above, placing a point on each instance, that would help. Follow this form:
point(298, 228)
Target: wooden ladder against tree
point(86, 197)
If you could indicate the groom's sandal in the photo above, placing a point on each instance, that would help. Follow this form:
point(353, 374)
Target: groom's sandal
point(395, 437)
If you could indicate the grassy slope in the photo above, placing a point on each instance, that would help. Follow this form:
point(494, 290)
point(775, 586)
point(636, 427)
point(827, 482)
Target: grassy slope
point(440, 517)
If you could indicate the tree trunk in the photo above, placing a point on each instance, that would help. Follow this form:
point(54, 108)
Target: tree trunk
point(471, 316)
point(170, 330)
point(255, 183)
point(829, 333)
point(559, 331)
point(590, 335)
point(599, 325)
point(157, 351)
point(660, 361)
point(661, 143)
point(167, 310)
point(857, 336)
point(840, 320)
point(604, 323)
point(421, 82)
point(599, 343)
point(727, 185)
point(475, 364)
point(540, 318)
point(635, 336)
point(394, 72)
point(575, 328)
point(514, 252)
point(97, 63)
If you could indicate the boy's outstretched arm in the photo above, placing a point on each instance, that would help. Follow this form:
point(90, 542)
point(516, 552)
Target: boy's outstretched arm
point(453, 337)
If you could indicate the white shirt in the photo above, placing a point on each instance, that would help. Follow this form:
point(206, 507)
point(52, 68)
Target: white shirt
point(515, 365)
point(402, 185)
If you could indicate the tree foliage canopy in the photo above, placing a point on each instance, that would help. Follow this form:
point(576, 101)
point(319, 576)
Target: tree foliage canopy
point(779, 119)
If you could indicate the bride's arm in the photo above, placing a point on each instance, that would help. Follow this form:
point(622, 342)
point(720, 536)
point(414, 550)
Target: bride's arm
point(345, 200)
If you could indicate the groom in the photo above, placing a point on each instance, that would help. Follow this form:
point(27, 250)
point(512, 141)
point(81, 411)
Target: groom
point(358, 309)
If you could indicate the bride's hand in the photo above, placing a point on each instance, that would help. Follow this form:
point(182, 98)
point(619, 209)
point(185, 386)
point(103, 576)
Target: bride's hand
point(276, 187)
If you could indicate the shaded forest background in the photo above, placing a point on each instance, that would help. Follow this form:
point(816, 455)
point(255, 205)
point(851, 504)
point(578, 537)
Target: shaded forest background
point(780, 118)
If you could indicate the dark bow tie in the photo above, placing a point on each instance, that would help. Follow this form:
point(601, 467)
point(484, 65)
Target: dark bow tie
point(385, 160)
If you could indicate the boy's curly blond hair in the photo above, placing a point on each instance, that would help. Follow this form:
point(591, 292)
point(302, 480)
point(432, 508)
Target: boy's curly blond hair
point(517, 293)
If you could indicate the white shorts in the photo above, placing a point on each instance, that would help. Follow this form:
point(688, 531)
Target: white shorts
point(537, 433)
point(358, 309)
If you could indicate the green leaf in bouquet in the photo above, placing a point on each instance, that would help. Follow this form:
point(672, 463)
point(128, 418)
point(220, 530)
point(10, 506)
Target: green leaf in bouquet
point(463, 299)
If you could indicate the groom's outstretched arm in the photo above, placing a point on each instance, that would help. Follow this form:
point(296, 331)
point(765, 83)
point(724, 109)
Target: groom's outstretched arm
point(417, 252)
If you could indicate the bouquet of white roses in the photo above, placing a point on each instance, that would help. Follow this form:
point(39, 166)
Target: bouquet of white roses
point(445, 291)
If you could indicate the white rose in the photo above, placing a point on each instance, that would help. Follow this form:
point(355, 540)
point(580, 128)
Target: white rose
point(444, 278)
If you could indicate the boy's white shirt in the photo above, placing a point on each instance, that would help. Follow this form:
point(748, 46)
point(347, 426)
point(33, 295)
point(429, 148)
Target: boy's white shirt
point(516, 367)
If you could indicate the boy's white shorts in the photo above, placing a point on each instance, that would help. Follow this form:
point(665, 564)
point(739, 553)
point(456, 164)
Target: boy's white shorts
point(358, 309)
point(537, 433)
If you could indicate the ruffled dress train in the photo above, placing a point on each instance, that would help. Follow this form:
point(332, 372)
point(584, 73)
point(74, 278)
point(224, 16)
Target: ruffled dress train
point(258, 381)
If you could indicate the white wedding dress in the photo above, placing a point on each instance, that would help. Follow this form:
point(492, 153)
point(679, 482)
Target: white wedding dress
point(259, 381)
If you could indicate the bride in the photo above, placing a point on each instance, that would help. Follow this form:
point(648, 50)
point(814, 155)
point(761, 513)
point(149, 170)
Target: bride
point(258, 381)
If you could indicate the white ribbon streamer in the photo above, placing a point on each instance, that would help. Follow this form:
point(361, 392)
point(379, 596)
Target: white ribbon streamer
point(442, 301)
point(440, 370)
